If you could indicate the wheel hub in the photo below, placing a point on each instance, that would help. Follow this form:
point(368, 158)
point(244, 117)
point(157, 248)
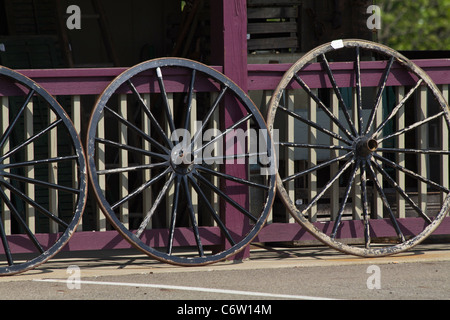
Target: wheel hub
point(182, 160)
point(365, 146)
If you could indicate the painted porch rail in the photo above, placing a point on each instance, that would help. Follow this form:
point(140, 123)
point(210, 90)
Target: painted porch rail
point(262, 80)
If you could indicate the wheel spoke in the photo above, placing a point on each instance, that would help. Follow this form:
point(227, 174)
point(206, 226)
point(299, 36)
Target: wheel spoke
point(40, 183)
point(365, 204)
point(165, 99)
point(34, 204)
point(317, 167)
point(328, 186)
point(385, 202)
point(402, 192)
point(381, 89)
point(190, 98)
point(21, 222)
point(322, 106)
point(225, 197)
point(412, 174)
point(359, 90)
point(413, 126)
point(173, 218)
point(314, 125)
point(414, 151)
point(134, 168)
point(38, 162)
point(155, 205)
point(140, 189)
point(208, 116)
point(313, 146)
point(339, 95)
point(219, 159)
point(397, 108)
point(30, 140)
point(139, 131)
point(150, 114)
point(134, 149)
point(193, 219)
point(232, 178)
point(234, 126)
point(212, 211)
point(11, 126)
point(344, 201)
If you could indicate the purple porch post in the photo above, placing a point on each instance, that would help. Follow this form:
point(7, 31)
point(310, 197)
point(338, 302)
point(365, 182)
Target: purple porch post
point(229, 49)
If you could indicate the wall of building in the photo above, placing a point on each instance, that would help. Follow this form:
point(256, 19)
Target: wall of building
point(136, 30)
point(139, 30)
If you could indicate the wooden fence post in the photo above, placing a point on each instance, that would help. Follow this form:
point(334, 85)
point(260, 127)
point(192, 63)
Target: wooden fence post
point(229, 49)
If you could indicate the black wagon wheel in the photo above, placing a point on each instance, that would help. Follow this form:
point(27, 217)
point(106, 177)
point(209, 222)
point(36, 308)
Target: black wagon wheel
point(43, 175)
point(371, 159)
point(158, 167)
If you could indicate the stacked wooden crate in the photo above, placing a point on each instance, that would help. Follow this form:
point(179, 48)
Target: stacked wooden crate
point(273, 25)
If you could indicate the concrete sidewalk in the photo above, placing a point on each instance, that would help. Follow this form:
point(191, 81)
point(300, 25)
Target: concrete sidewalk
point(129, 262)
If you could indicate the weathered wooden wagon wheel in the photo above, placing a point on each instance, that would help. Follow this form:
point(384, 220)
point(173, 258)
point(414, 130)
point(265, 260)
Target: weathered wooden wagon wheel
point(43, 175)
point(370, 162)
point(155, 155)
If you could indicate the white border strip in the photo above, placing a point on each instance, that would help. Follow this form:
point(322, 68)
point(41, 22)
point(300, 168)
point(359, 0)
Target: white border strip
point(182, 288)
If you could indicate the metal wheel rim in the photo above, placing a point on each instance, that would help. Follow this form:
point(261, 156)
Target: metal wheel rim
point(289, 203)
point(66, 229)
point(130, 235)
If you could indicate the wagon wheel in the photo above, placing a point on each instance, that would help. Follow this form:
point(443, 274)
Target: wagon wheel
point(380, 173)
point(42, 183)
point(157, 168)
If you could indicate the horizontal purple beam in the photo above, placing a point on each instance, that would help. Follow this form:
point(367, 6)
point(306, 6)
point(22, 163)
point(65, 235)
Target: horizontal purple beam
point(276, 232)
point(351, 229)
point(268, 76)
point(95, 240)
point(94, 81)
point(261, 77)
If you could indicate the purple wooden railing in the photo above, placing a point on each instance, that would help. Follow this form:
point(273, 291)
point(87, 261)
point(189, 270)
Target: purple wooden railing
point(260, 77)
point(79, 82)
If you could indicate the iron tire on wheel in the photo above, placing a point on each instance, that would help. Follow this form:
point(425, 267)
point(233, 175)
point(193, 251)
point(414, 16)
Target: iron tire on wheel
point(357, 151)
point(58, 170)
point(164, 169)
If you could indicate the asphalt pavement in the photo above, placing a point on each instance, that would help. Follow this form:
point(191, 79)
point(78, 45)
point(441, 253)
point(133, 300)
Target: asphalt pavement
point(271, 273)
